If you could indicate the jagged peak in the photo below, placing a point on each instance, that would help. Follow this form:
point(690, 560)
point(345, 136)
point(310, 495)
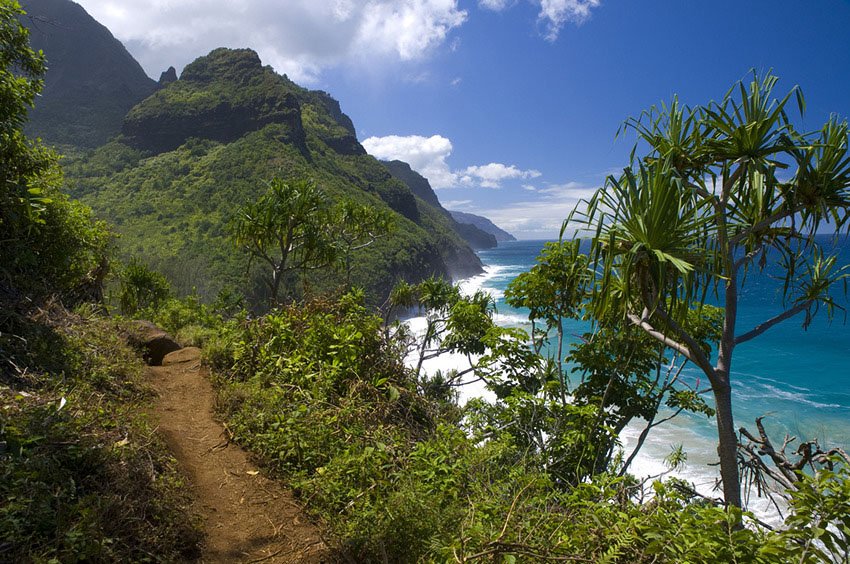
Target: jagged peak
point(234, 65)
point(168, 76)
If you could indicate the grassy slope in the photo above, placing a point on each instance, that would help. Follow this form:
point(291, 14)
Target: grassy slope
point(83, 475)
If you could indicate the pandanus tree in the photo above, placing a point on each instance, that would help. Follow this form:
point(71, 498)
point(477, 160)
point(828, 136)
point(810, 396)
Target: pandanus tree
point(288, 229)
point(721, 190)
point(357, 226)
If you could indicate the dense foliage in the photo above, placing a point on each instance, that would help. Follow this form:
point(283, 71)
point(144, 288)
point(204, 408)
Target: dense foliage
point(380, 453)
point(48, 243)
point(399, 472)
point(293, 229)
point(83, 475)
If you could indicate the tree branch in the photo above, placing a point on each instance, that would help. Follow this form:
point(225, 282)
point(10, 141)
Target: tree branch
point(765, 447)
point(761, 328)
point(764, 224)
point(698, 359)
point(747, 257)
point(696, 354)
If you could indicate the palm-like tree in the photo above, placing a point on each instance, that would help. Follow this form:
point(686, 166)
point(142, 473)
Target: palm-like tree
point(722, 189)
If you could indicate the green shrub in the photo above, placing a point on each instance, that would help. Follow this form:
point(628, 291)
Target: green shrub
point(320, 393)
point(141, 288)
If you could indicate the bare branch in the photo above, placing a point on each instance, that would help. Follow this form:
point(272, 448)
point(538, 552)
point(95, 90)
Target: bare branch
point(761, 328)
point(695, 352)
point(765, 447)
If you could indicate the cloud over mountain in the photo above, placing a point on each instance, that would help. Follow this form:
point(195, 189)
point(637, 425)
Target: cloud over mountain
point(301, 39)
point(427, 156)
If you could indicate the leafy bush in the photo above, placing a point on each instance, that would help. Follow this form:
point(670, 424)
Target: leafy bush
point(141, 288)
point(320, 393)
point(49, 245)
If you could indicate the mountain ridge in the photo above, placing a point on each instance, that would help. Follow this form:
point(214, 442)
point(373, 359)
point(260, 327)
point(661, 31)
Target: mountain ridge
point(91, 80)
point(483, 224)
point(199, 147)
point(477, 238)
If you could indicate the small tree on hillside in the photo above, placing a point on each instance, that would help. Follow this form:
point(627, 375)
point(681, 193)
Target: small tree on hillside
point(141, 287)
point(553, 291)
point(723, 189)
point(288, 228)
point(357, 226)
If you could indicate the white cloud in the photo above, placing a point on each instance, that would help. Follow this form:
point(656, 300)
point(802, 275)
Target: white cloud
point(427, 156)
point(492, 175)
point(555, 13)
point(298, 37)
point(455, 204)
point(408, 28)
point(540, 218)
point(495, 5)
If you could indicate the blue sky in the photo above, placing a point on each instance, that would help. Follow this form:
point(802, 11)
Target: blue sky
point(509, 107)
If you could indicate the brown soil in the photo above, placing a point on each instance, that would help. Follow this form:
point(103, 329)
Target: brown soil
point(247, 517)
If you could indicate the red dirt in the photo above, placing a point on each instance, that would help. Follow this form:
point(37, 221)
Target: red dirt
point(247, 517)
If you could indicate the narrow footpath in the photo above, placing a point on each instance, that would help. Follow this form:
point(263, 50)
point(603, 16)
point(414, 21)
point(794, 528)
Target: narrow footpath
point(247, 517)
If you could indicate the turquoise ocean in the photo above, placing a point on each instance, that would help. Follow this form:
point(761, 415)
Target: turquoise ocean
point(798, 379)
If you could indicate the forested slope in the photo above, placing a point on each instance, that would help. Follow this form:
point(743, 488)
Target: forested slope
point(200, 147)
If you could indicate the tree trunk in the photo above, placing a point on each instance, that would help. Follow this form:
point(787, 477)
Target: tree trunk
point(727, 447)
point(276, 278)
point(561, 379)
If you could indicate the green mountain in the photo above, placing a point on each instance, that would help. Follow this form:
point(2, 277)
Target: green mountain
point(483, 224)
point(198, 148)
point(419, 185)
point(91, 81)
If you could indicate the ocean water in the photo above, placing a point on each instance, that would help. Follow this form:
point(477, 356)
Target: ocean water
point(799, 380)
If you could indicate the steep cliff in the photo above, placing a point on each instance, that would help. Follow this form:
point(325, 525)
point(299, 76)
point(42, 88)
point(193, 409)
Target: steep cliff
point(483, 224)
point(91, 79)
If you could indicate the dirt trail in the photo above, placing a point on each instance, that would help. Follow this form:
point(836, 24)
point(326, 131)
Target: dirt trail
point(247, 517)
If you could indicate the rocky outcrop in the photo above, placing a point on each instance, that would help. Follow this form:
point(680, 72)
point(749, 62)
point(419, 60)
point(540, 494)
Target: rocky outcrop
point(167, 77)
point(220, 97)
point(153, 343)
point(182, 356)
point(341, 139)
point(417, 183)
point(220, 121)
